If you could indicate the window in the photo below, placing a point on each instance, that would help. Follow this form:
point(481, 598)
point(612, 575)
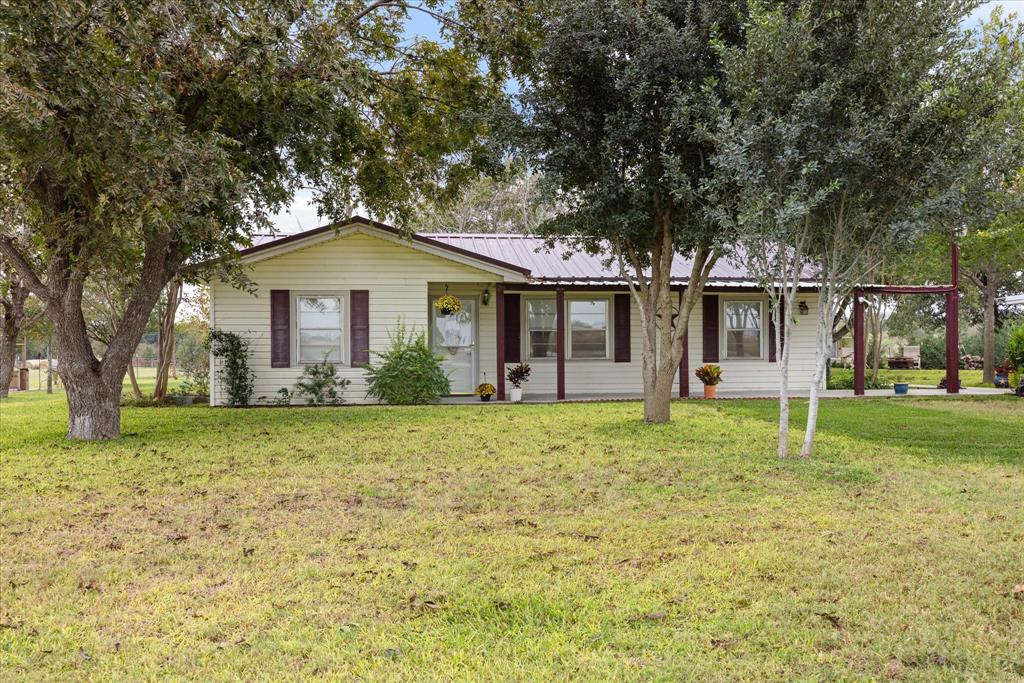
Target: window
point(588, 328)
point(541, 328)
point(742, 329)
point(319, 321)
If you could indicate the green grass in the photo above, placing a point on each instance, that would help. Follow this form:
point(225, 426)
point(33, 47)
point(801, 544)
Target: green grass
point(931, 378)
point(146, 378)
point(546, 542)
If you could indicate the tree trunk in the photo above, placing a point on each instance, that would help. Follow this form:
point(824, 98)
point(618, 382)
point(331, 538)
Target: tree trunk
point(136, 391)
point(875, 323)
point(8, 352)
point(826, 315)
point(94, 407)
point(658, 398)
point(166, 349)
point(664, 325)
point(784, 331)
point(988, 305)
point(49, 366)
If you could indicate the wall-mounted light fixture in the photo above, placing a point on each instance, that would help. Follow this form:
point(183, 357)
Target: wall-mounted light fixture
point(485, 298)
point(803, 308)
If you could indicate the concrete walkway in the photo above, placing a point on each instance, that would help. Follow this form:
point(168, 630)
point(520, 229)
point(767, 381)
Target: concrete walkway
point(738, 394)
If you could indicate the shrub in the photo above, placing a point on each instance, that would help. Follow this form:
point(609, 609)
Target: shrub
point(409, 372)
point(518, 375)
point(842, 378)
point(1015, 351)
point(710, 375)
point(236, 375)
point(320, 385)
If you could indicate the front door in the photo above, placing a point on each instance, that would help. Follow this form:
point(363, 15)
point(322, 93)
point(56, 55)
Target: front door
point(453, 337)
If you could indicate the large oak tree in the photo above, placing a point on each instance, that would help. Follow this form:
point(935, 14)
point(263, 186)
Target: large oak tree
point(148, 137)
point(613, 99)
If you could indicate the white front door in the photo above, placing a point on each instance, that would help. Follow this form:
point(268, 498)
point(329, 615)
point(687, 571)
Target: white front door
point(453, 337)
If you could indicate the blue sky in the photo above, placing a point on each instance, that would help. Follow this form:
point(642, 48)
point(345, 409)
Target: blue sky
point(302, 214)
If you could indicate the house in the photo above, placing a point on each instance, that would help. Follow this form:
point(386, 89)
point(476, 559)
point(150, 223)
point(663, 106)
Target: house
point(338, 291)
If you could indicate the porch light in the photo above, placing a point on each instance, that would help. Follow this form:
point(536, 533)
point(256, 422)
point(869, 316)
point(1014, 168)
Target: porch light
point(803, 308)
point(485, 298)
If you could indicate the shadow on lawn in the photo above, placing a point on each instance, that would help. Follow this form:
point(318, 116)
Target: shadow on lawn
point(933, 432)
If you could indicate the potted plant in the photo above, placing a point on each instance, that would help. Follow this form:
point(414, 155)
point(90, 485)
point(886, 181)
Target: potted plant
point(901, 388)
point(485, 391)
point(1002, 379)
point(710, 375)
point(448, 304)
point(517, 376)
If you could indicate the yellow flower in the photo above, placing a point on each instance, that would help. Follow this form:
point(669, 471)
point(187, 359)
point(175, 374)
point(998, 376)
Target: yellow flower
point(448, 304)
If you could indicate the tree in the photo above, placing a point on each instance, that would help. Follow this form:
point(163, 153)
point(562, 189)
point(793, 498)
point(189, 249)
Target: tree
point(921, 108)
point(510, 203)
point(987, 198)
point(15, 318)
point(771, 139)
point(167, 312)
point(149, 137)
point(850, 124)
point(612, 100)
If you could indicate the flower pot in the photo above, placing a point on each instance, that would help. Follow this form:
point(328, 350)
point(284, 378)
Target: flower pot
point(1002, 380)
point(515, 394)
point(485, 397)
point(901, 388)
point(710, 390)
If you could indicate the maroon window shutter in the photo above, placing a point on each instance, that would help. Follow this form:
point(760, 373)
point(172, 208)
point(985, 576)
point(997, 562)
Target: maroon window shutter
point(710, 328)
point(359, 327)
point(772, 354)
point(513, 328)
point(622, 328)
point(280, 328)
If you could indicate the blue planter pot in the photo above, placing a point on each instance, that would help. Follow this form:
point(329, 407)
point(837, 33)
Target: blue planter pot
point(901, 388)
point(1002, 380)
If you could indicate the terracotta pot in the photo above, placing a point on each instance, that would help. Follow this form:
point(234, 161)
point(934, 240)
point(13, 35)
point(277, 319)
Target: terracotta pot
point(710, 390)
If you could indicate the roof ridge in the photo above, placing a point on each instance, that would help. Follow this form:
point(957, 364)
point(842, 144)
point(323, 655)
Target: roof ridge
point(485, 235)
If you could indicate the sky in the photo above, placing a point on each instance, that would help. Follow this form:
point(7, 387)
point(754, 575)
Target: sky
point(302, 214)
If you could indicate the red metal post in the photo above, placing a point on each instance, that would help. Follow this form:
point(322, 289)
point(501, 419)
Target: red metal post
point(859, 359)
point(953, 324)
point(499, 313)
point(684, 364)
point(560, 343)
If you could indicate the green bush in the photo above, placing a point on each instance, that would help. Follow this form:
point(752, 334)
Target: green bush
point(1015, 349)
point(842, 378)
point(236, 375)
point(319, 385)
point(409, 372)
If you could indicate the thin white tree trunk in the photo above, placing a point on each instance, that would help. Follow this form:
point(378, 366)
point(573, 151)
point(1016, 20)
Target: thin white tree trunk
point(823, 340)
point(783, 332)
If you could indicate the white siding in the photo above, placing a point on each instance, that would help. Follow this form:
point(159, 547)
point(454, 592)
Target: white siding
point(401, 280)
point(590, 377)
point(397, 277)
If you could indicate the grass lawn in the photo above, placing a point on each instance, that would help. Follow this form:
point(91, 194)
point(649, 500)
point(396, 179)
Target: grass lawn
point(931, 378)
point(546, 542)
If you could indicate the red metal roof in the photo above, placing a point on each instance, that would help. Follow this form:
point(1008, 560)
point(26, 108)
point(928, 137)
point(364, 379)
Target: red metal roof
point(530, 254)
point(565, 266)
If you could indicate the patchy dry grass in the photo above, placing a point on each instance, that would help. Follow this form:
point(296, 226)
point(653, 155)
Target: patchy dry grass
point(514, 543)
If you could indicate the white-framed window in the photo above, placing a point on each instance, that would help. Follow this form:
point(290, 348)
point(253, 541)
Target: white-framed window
point(320, 328)
point(541, 328)
point(588, 328)
point(743, 325)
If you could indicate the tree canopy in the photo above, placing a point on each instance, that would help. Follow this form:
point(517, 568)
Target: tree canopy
point(142, 137)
